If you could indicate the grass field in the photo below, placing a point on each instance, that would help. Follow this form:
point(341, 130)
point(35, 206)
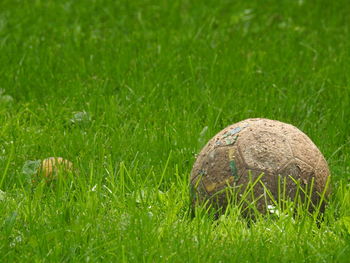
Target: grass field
point(125, 89)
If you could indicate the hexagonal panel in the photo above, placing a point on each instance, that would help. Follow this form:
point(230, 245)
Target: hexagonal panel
point(222, 169)
point(322, 174)
point(264, 149)
point(267, 181)
point(303, 148)
point(298, 170)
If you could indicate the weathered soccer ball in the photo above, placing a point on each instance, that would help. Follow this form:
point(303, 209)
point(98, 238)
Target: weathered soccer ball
point(283, 157)
point(51, 166)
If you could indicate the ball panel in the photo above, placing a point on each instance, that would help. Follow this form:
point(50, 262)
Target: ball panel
point(198, 192)
point(299, 170)
point(257, 196)
point(297, 173)
point(322, 174)
point(303, 148)
point(225, 138)
point(217, 158)
point(200, 167)
point(265, 149)
point(224, 164)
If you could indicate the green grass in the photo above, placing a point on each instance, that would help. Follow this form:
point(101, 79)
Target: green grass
point(151, 75)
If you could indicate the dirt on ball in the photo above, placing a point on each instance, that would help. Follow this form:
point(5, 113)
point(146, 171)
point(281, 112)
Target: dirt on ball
point(283, 157)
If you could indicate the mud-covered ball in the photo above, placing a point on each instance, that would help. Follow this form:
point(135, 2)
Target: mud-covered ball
point(262, 161)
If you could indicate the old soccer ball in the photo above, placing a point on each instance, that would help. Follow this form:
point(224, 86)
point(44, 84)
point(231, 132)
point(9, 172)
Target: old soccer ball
point(266, 157)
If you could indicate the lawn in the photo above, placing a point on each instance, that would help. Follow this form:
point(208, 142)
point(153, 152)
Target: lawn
point(130, 91)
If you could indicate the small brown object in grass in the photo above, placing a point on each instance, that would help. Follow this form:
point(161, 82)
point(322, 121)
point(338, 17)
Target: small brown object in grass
point(52, 166)
point(239, 154)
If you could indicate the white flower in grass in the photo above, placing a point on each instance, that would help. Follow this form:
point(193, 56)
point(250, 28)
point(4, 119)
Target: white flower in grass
point(273, 210)
point(16, 240)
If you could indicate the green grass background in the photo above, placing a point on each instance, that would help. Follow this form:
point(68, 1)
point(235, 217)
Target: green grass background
point(151, 75)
